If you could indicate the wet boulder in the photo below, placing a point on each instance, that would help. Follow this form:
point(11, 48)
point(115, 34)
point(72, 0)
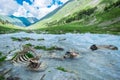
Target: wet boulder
point(96, 47)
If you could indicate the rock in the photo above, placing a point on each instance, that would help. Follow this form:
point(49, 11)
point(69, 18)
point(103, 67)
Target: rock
point(96, 47)
point(58, 48)
point(70, 54)
point(93, 47)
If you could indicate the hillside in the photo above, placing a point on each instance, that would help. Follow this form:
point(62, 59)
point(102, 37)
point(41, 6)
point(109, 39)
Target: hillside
point(68, 9)
point(96, 16)
point(10, 24)
point(75, 16)
point(79, 40)
point(19, 21)
point(11, 20)
point(9, 28)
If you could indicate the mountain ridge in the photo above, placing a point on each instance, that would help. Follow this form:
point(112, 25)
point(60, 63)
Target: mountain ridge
point(19, 21)
point(86, 17)
point(95, 16)
point(68, 9)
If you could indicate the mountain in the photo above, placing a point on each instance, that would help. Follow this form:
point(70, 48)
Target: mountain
point(26, 21)
point(54, 11)
point(69, 8)
point(19, 21)
point(7, 24)
point(75, 16)
point(11, 20)
point(32, 20)
point(95, 16)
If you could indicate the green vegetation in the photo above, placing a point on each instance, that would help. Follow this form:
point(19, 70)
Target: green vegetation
point(4, 30)
point(62, 69)
point(48, 49)
point(26, 39)
point(77, 28)
point(29, 45)
point(21, 39)
point(41, 39)
point(112, 5)
point(40, 47)
point(75, 17)
point(85, 25)
point(4, 22)
point(2, 58)
point(6, 27)
point(16, 39)
point(0, 53)
point(2, 77)
point(44, 48)
point(29, 55)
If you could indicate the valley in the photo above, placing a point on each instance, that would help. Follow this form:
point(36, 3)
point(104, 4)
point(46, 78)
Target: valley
point(103, 17)
point(58, 45)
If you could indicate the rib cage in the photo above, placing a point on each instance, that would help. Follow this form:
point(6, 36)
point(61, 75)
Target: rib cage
point(21, 58)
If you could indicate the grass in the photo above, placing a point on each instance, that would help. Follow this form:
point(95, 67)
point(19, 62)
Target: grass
point(4, 30)
point(16, 39)
point(29, 55)
point(0, 53)
point(62, 69)
point(72, 28)
point(40, 47)
point(77, 26)
point(44, 48)
point(41, 39)
point(48, 49)
point(2, 77)
point(21, 39)
point(27, 38)
point(29, 45)
point(83, 27)
point(2, 58)
point(108, 15)
point(9, 28)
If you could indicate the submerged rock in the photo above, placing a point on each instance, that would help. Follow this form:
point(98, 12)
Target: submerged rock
point(71, 54)
point(96, 47)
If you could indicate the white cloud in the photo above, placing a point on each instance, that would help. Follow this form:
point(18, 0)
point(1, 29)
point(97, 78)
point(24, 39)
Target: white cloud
point(8, 7)
point(42, 3)
point(63, 1)
point(38, 9)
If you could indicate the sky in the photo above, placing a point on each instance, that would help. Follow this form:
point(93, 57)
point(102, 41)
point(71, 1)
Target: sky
point(29, 8)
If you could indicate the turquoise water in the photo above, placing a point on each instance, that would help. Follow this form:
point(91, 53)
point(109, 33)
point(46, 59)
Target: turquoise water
point(91, 65)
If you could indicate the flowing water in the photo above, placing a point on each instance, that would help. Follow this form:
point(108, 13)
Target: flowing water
point(90, 65)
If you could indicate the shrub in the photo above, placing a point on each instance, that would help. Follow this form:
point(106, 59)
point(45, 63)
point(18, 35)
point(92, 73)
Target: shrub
point(62, 69)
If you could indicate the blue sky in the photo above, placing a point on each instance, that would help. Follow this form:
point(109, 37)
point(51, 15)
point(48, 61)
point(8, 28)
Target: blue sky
point(21, 2)
point(53, 2)
point(29, 8)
